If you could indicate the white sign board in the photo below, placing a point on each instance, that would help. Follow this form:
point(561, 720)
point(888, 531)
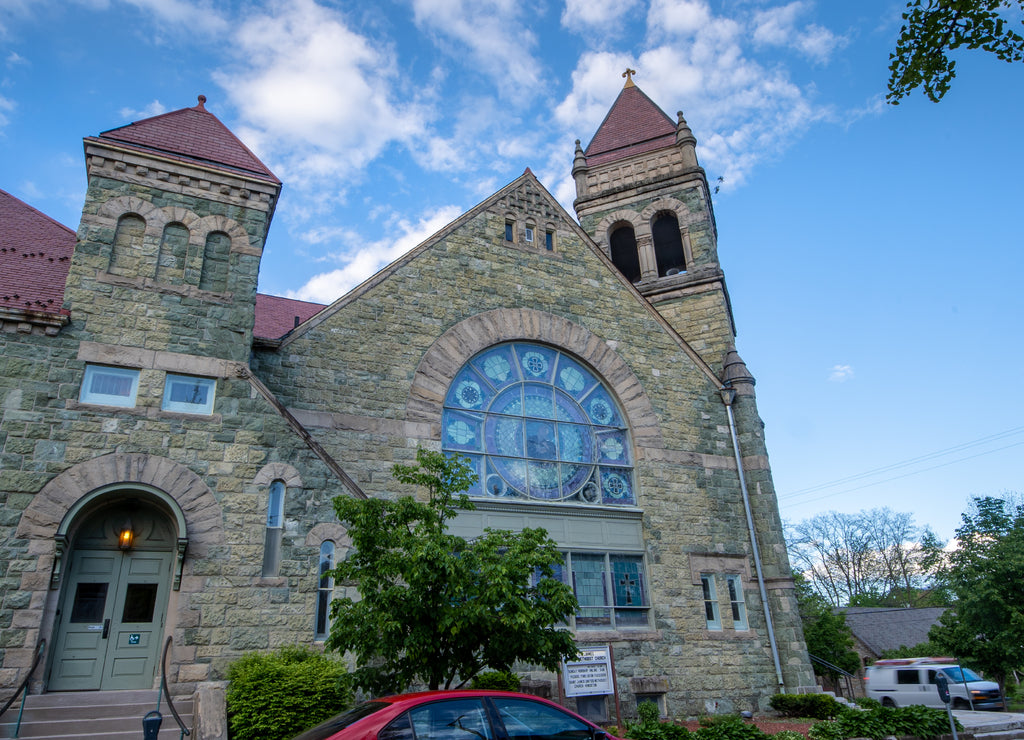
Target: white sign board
point(590, 674)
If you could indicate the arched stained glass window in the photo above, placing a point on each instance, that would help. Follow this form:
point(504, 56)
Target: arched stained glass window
point(325, 591)
point(537, 424)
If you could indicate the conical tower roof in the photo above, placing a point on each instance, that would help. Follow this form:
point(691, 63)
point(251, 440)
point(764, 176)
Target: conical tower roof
point(192, 134)
point(635, 124)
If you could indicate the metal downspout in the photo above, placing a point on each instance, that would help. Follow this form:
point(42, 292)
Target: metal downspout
point(728, 396)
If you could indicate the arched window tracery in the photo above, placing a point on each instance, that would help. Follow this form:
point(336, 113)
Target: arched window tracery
point(539, 425)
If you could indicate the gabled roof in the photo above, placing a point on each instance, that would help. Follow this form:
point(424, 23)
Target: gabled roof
point(191, 134)
point(35, 255)
point(881, 628)
point(276, 316)
point(634, 125)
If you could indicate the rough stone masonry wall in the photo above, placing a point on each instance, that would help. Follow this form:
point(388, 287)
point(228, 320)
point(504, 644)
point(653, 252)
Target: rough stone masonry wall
point(350, 375)
point(224, 605)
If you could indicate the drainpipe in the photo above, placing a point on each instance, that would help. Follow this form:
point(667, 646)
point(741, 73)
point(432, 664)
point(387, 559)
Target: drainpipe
point(728, 396)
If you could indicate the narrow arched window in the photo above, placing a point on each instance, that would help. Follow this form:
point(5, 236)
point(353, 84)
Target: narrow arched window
point(275, 529)
point(624, 254)
point(668, 245)
point(325, 591)
point(126, 255)
point(216, 258)
point(170, 261)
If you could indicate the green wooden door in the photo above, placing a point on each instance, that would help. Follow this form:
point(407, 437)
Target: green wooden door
point(111, 620)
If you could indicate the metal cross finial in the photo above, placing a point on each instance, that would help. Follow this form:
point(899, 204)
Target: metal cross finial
point(628, 74)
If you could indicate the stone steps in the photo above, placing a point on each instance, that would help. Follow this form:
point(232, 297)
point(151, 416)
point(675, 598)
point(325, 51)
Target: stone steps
point(92, 715)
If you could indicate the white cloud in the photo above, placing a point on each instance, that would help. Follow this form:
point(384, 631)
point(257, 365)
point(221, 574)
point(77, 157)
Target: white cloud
point(198, 17)
point(840, 373)
point(6, 106)
point(778, 27)
point(361, 262)
point(678, 16)
point(153, 109)
point(317, 96)
point(493, 34)
point(14, 59)
point(595, 14)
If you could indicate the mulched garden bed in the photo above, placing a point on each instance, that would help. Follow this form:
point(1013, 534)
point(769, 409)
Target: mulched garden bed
point(769, 725)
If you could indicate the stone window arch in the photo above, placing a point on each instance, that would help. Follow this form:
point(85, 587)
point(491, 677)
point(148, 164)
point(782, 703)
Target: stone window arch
point(624, 252)
point(668, 244)
point(538, 424)
point(126, 253)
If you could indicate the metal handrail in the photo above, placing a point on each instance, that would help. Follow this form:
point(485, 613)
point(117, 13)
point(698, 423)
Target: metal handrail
point(847, 676)
point(185, 732)
point(40, 649)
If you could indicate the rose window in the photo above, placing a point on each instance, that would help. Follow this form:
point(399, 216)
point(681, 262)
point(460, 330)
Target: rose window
point(537, 424)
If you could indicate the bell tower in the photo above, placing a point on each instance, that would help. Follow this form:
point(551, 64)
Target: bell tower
point(643, 197)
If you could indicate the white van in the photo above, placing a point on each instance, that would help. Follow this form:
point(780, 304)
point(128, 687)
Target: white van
point(902, 681)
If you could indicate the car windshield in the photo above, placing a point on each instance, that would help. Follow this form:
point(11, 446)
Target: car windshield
point(955, 675)
point(343, 720)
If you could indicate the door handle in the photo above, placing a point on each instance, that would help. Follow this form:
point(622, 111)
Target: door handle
point(106, 628)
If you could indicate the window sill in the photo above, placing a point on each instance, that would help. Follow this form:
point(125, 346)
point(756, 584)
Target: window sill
point(639, 635)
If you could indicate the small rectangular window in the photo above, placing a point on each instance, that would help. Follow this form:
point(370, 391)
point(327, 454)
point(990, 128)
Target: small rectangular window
point(736, 601)
point(711, 617)
point(110, 386)
point(529, 234)
point(189, 395)
point(549, 240)
point(509, 231)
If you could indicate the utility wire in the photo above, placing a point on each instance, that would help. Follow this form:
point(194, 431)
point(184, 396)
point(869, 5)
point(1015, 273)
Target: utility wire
point(906, 463)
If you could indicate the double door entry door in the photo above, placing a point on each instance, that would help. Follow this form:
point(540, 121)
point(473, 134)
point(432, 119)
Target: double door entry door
point(110, 621)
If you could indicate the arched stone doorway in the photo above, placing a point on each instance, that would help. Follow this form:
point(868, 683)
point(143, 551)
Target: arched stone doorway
point(118, 573)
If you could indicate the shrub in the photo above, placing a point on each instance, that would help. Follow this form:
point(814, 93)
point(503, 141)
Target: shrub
point(727, 727)
point(866, 702)
point(879, 722)
point(787, 735)
point(273, 696)
point(649, 728)
point(497, 680)
point(814, 706)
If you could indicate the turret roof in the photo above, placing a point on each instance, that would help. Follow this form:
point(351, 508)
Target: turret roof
point(635, 124)
point(192, 134)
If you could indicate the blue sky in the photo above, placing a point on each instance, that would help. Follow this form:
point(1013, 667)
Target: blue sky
point(873, 253)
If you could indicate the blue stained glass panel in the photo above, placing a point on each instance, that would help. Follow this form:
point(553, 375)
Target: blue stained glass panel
point(499, 365)
point(463, 432)
point(469, 391)
point(540, 440)
point(509, 402)
point(601, 409)
point(511, 472)
point(504, 435)
point(613, 447)
point(477, 463)
point(573, 378)
point(545, 481)
point(566, 409)
point(575, 443)
point(539, 400)
point(616, 486)
point(536, 362)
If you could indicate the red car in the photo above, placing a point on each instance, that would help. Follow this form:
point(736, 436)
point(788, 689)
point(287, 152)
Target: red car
point(457, 715)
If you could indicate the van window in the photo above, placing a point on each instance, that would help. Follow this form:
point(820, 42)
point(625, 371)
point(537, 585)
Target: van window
point(907, 676)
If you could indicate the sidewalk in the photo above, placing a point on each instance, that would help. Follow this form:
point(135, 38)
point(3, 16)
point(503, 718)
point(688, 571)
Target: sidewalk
point(986, 723)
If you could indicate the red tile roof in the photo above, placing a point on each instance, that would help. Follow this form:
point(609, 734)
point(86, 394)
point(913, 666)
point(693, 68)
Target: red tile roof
point(193, 134)
point(276, 316)
point(35, 254)
point(633, 125)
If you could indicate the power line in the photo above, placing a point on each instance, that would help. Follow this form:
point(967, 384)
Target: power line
point(907, 463)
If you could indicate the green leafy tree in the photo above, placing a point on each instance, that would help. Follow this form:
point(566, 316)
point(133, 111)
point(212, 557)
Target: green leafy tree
point(985, 626)
point(933, 28)
point(437, 609)
point(826, 633)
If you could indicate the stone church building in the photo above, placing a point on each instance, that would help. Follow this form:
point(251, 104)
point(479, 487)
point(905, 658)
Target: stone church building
point(171, 439)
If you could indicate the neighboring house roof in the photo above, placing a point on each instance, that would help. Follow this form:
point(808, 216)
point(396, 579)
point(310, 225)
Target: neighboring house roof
point(192, 134)
point(634, 125)
point(880, 628)
point(276, 316)
point(35, 254)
